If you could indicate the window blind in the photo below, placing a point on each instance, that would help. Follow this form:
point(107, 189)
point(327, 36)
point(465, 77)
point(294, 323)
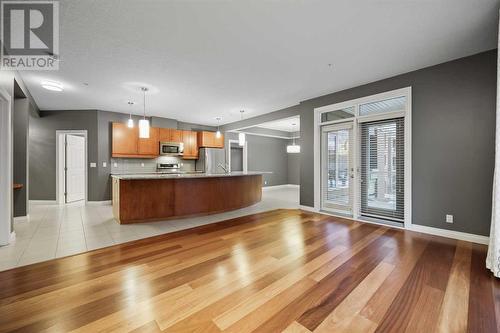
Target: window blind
point(382, 169)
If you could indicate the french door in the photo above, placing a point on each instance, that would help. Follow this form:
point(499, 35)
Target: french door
point(365, 157)
point(337, 168)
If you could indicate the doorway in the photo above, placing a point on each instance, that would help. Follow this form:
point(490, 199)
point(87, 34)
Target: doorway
point(363, 159)
point(237, 156)
point(72, 166)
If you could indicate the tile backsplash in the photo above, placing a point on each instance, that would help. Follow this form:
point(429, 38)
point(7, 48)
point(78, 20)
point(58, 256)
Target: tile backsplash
point(139, 165)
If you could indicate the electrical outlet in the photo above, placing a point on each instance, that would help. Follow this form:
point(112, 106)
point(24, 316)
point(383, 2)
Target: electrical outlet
point(449, 218)
point(115, 165)
point(93, 164)
point(104, 164)
point(265, 182)
point(142, 165)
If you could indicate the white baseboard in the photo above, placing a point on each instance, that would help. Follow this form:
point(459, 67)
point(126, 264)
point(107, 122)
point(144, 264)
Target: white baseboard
point(43, 202)
point(308, 208)
point(99, 203)
point(21, 218)
point(279, 187)
point(416, 228)
point(450, 234)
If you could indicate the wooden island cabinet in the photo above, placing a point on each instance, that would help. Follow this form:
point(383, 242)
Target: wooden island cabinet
point(127, 144)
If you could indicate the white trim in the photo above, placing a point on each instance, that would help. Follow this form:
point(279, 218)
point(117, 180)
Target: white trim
point(6, 167)
point(267, 135)
point(12, 237)
point(60, 134)
point(18, 219)
point(99, 203)
point(450, 234)
point(414, 228)
point(43, 202)
point(358, 119)
point(245, 154)
point(279, 187)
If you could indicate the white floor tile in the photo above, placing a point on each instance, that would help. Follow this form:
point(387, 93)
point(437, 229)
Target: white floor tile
point(66, 230)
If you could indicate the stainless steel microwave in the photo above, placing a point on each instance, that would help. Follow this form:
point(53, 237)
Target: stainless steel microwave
point(171, 148)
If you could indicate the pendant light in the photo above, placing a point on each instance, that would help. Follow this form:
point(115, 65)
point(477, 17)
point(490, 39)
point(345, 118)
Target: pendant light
point(241, 136)
point(144, 123)
point(130, 122)
point(293, 148)
point(218, 134)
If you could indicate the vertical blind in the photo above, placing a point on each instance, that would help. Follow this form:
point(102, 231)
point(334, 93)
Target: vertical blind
point(382, 169)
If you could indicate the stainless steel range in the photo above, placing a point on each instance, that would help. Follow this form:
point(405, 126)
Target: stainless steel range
point(168, 167)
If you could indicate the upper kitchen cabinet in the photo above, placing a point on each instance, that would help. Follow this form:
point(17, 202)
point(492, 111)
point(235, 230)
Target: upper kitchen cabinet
point(170, 135)
point(210, 140)
point(150, 146)
point(126, 142)
point(189, 138)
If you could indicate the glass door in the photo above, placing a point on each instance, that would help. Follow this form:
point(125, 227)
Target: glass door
point(337, 168)
point(382, 169)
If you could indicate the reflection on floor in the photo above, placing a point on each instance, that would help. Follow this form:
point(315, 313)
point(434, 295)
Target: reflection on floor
point(58, 231)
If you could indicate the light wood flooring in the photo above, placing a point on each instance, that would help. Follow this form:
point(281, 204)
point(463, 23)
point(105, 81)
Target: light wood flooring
point(277, 271)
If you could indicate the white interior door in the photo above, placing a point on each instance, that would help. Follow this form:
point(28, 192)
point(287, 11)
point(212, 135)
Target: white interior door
point(75, 168)
point(337, 176)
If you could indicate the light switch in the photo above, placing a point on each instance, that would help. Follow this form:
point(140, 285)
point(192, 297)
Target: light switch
point(142, 165)
point(93, 164)
point(104, 164)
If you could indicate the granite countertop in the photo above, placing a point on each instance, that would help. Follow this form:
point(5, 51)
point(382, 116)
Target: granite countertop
point(185, 175)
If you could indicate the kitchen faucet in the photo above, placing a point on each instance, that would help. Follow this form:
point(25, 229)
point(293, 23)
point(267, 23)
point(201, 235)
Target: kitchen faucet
point(224, 167)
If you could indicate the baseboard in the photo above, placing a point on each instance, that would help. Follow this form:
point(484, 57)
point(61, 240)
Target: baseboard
point(99, 203)
point(416, 228)
point(43, 202)
point(279, 187)
point(308, 208)
point(22, 218)
point(450, 234)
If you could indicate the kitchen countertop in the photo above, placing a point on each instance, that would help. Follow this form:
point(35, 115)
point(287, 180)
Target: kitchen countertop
point(186, 175)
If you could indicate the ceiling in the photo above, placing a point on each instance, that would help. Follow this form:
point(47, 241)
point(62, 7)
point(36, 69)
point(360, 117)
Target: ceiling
point(286, 125)
point(204, 59)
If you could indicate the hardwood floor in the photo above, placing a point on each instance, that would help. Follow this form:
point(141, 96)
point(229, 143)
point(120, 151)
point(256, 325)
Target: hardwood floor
point(283, 270)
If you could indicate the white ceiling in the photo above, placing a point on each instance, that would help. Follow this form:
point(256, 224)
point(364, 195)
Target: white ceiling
point(287, 125)
point(205, 59)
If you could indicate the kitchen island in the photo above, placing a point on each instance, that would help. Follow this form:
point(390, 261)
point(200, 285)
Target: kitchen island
point(154, 197)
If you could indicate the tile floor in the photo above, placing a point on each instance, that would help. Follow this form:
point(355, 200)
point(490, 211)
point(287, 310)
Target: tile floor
point(57, 231)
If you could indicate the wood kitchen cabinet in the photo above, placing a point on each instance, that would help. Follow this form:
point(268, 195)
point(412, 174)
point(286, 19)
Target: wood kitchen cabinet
point(170, 135)
point(150, 146)
point(126, 142)
point(189, 138)
point(210, 140)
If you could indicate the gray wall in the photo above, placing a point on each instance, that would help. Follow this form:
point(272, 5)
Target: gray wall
point(293, 165)
point(453, 125)
point(42, 150)
point(453, 136)
point(266, 154)
point(21, 114)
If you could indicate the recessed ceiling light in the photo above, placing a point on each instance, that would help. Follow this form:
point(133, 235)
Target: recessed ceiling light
point(52, 85)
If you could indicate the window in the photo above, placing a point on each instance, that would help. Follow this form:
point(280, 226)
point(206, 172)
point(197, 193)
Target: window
point(338, 114)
